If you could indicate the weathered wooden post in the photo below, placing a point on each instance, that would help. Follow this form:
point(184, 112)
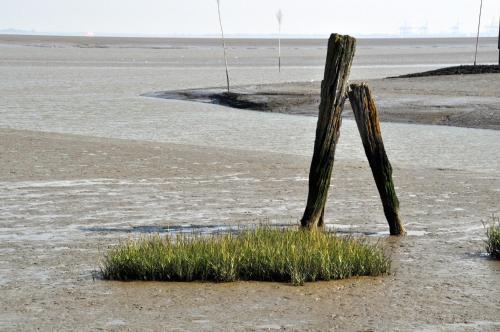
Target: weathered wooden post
point(368, 123)
point(333, 94)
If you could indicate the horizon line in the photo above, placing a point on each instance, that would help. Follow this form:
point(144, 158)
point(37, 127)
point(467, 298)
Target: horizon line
point(234, 35)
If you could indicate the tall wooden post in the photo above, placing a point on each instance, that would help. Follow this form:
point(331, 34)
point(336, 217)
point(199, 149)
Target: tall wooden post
point(333, 94)
point(368, 123)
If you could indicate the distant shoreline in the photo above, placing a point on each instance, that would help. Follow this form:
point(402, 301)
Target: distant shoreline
point(363, 39)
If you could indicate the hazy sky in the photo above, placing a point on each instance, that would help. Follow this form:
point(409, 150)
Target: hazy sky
point(199, 17)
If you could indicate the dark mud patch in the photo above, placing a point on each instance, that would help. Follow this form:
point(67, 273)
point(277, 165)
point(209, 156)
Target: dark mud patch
point(240, 101)
point(456, 70)
point(282, 98)
point(471, 101)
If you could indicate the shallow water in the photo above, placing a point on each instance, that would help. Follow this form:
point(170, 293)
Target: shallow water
point(96, 92)
point(58, 86)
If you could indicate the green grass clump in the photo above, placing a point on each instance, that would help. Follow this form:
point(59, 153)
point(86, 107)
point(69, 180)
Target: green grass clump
point(493, 241)
point(262, 254)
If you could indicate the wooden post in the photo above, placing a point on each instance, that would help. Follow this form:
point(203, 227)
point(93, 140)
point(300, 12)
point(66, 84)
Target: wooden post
point(368, 123)
point(333, 94)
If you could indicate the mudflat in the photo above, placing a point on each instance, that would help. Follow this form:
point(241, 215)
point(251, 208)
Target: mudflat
point(471, 101)
point(59, 217)
point(86, 161)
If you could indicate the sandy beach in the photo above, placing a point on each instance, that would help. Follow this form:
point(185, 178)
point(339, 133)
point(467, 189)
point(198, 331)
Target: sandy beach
point(87, 160)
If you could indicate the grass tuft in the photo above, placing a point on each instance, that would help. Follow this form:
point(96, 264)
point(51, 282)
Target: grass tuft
point(261, 254)
point(493, 235)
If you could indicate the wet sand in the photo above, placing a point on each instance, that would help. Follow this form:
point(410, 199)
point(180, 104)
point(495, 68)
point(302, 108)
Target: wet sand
point(66, 198)
point(87, 161)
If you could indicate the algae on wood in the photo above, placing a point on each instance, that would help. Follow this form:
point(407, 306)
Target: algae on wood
point(333, 94)
point(366, 115)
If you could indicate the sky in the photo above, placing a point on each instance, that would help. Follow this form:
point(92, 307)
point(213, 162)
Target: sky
point(250, 17)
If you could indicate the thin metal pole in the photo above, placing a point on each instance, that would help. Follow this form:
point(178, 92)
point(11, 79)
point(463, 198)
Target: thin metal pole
point(279, 51)
point(279, 16)
point(499, 41)
point(223, 45)
point(478, 27)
